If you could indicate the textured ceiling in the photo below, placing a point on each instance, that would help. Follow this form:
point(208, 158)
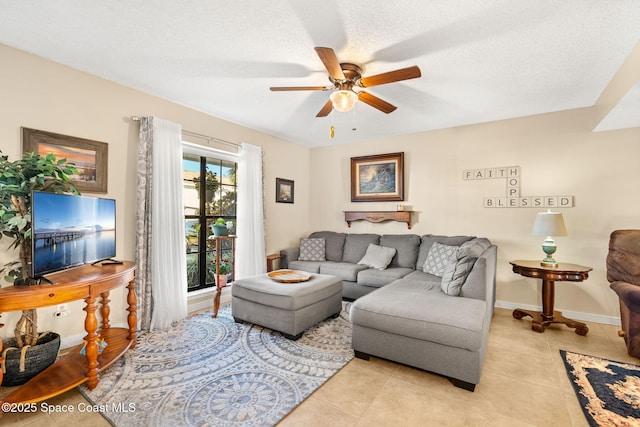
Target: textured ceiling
point(481, 60)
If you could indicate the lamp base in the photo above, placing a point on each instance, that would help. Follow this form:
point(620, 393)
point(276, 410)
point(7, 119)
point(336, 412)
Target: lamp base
point(549, 247)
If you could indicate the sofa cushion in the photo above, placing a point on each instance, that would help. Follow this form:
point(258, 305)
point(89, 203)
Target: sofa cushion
point(308, 266)
point(461, 264)
point(419, 310)
point(334, 244)
point(406, 245)
point(438, 258)
point(378, 278)
point(429, 239)
point(345, 270)
point(377, 256)
point(312, 249)
point(355, 246)
point(423, 277)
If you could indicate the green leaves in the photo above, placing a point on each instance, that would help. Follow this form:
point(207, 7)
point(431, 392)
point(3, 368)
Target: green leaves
point(17, 180)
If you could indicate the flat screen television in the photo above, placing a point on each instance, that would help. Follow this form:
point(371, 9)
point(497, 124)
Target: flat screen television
point(68, 230)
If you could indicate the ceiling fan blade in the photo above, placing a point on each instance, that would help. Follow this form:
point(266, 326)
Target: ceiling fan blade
point(330, 61)
point(391, 76)
point(281, 89)
point(376, 102)
point(325, 110)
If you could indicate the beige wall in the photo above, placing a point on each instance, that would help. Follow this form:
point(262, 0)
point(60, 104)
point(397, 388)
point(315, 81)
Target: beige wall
point(40, 94)
point(558, 155)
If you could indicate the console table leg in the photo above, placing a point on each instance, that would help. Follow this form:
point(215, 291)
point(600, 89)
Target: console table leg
point(105, 310)
point(1, 358)
point(91, 350)
point(132, 318)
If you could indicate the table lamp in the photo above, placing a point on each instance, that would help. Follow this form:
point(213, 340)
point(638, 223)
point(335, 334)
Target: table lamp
point(549, 224)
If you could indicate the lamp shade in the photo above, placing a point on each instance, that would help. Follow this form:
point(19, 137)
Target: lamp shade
point(549, 224)
point(343, 100)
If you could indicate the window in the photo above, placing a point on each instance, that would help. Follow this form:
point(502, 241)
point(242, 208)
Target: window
point(209, 193)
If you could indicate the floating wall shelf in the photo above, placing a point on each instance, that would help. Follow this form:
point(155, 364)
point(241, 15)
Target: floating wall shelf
point(378, 216)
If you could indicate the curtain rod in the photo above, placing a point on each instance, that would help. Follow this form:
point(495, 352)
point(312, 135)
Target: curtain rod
point(199, 135)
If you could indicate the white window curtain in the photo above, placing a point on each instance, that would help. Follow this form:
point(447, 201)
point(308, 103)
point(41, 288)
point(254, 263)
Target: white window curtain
point(161, 282)
point(250, 252)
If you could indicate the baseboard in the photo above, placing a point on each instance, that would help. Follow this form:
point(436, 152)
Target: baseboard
point(585, 317)
point(74, 340)
point(203, 300)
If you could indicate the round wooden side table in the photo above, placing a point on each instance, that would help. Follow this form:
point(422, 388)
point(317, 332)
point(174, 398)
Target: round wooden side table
point(550, 275)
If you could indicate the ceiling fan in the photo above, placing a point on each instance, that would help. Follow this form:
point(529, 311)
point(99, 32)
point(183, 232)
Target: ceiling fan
point(347, 76)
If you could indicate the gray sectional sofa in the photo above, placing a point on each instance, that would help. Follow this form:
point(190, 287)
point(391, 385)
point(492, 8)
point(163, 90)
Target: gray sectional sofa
point(430, 307)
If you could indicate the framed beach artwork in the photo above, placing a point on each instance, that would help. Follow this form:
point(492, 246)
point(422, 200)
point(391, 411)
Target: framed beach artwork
point(378, 178)
point(90, 157)
point(284, 190)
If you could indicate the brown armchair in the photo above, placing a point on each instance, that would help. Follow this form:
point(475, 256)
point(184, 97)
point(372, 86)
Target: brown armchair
point(623, 271)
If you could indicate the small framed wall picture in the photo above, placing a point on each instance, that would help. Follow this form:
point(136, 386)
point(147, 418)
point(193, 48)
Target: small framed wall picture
point(284, 190)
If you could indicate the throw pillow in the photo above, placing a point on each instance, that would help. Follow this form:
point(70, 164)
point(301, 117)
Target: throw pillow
point(459, 267)
point(437, 258)
point(312, 249)
point(377, 256)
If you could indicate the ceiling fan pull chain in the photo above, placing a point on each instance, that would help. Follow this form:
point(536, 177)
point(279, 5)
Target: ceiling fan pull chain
point(332, 129)
point(354, 118)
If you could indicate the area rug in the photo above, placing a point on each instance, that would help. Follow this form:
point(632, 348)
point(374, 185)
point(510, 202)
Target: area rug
point(608, 391)
point(215, 372)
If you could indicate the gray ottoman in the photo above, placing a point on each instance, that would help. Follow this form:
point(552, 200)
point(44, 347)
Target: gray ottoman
point(286, 307)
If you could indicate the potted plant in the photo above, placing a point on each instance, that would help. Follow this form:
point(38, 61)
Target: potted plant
point(17, 180)
point(220, 227)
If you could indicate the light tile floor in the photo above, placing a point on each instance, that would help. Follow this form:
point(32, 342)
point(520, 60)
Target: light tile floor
point(523, 383)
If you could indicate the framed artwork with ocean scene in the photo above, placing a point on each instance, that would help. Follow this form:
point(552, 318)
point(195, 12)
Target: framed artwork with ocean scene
point(90, 157)
point(378, 178)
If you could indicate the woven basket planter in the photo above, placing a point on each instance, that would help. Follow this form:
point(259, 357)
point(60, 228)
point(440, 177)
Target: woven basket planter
point(36, 359)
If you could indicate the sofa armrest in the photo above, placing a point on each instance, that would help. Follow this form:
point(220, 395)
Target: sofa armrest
point(629, 294)
point(289, 254)
point(481, 281)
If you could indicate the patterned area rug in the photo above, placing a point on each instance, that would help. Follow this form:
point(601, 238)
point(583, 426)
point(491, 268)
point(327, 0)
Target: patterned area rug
point(608, 391)
point(216, 372)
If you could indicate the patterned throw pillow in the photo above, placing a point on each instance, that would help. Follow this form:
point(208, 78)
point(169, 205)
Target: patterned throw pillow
point(312, 250)
point(438, 258)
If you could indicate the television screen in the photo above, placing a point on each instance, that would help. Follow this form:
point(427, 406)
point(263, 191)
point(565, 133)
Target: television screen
point(68, 231)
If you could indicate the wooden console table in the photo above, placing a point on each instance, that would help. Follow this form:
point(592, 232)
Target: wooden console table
point(378, 216)
point(86, 282)
point(549, 275)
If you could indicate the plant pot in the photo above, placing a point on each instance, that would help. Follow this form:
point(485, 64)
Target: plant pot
point(223, 280)
point(220, 230)
point(36, 360)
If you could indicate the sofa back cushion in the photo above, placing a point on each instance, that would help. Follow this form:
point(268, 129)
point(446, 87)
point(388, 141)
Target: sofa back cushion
point(406, 246)
point(429, 239)
point(334, 244)
point(355, 246)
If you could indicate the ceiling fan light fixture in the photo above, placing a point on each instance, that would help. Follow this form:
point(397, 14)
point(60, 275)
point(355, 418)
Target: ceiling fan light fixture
point(343, 100)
